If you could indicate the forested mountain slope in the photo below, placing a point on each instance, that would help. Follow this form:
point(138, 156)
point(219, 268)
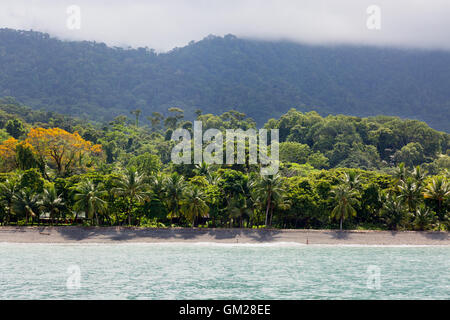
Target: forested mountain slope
point(262, 79)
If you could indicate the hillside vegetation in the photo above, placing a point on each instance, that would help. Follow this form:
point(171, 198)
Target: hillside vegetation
point(261, 79)
point(335, 172)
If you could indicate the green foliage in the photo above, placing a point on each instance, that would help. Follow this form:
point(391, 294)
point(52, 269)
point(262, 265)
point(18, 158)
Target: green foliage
point(294, 152)
point(31, 179)
point(351, 142)
point(194, 205)
point(318, 160)
point(25, 157)
point(89, 200)
point(393, 211)
point(146, 163)
point(261, 78)
point(411, 154)
point(52, 204)
point(423, 218)
point(26, 204)
point(3, 135)
point(15, 128)
point(133, 188)
point(345, 199)
point(336, 167)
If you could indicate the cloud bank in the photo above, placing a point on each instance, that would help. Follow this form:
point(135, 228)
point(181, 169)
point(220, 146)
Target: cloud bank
point(165, 24)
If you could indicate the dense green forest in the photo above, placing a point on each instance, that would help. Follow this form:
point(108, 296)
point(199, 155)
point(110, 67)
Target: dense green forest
point(262, 79)
point(336, 171)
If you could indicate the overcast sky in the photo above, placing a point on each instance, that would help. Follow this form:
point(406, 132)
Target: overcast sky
point(164, 24)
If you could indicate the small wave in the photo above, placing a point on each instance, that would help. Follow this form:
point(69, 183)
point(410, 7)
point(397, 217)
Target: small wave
point(218, 244)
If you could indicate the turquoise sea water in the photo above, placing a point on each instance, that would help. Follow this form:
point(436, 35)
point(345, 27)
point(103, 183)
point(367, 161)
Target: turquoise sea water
point(200, 271)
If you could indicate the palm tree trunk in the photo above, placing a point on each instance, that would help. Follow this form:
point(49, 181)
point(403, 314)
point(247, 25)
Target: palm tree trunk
point(129, 213)
point(271, 215)
point(439, 208)
point(267, 210)
point(8, 217)
point(340, 224)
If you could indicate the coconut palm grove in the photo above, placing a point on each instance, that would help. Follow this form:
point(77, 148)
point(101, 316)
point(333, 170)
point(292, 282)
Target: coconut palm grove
point(336, 172)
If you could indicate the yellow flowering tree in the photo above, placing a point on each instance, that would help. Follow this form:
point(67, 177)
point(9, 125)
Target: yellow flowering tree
point(8, 154)
point(60, 149)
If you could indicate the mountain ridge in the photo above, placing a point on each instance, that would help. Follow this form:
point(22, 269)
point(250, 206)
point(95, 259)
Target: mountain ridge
point(264, 79)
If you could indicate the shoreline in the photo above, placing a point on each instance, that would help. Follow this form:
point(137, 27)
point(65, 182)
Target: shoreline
point(117, 235)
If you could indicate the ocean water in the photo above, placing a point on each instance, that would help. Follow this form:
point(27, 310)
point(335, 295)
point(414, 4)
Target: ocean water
point(213, 271)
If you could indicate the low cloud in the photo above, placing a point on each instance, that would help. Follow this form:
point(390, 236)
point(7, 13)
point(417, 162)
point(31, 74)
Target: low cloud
point(165, 24)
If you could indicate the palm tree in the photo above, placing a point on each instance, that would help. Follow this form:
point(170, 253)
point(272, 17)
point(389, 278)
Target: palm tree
point(7, 191)
point(52, 203)
point(345, 198)
point(133, 188)
point(202, 169)
point(174, 187)
point(213, 179)
point(393, 211)
point(238, 207)
point(155, 120)
point(137, 113)
point(401, 173)
point(88, 198)
point(410, 193)
point(423, 218)
point(255, 205)
point(352, 179)
point(271, 191)
point(194, 205)
point(438, 190)
point(446, 173)
point(156, 184)
point(419, 175)
point(213, 196)
point(26, 202)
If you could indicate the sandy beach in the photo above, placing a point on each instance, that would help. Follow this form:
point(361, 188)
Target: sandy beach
point(148, 235)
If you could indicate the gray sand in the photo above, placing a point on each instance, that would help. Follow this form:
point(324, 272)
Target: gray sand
point(129, 235)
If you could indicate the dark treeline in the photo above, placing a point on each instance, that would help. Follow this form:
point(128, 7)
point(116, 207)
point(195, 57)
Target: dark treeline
point(335, 171)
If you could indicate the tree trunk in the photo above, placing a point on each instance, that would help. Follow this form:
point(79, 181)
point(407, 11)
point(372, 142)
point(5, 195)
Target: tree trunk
point(130, 206)
point(8, 216)
point(267, 209)
point(271, 215)
point(340, 226)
